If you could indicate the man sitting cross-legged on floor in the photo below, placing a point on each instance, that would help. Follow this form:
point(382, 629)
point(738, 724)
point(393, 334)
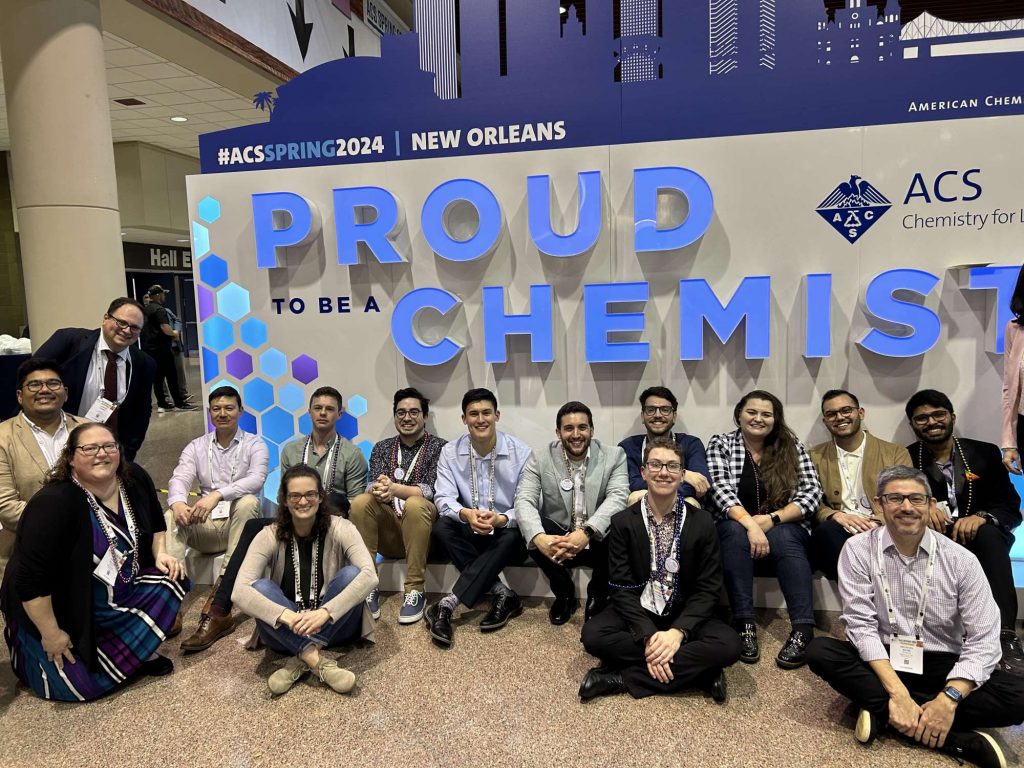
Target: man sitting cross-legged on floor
point(922, 632)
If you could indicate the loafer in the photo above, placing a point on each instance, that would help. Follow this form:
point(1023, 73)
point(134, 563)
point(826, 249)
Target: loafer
point(281, 680)
point(412, 609)
point(373, 601)
point(750, 650)
point(157, 667)
point(867, 727)
point(719, 688)
point(338, 679)
point(504, 607)
point(794, 652)
point(1013, 652)
point(175, 628)
point(211, 629)
point(439, 622)
point(601, 681)
point(974, 747)
point(562, 610)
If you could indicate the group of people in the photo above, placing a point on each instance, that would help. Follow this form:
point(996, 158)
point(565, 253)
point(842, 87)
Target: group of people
point(918, 538)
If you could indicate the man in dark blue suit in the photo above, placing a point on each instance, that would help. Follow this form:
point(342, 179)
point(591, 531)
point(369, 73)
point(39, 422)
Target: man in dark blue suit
point(104, 368)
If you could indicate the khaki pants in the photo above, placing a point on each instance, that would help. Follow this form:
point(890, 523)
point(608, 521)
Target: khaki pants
point(213, 536)
point(383, 532)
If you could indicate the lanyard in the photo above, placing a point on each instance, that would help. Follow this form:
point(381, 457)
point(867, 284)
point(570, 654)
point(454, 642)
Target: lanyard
point(664, 578)
point(473, 487)
point(108, 530)
point(234, 461)
point(314, 568)
point(332, 459)
point(887, 590)
point(397, 461)
point(575, 476)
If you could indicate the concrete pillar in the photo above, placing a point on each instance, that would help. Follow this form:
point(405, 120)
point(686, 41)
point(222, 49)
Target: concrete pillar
point(62, 156)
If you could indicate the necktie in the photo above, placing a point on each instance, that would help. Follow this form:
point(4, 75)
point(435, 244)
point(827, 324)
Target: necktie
point(110, 384)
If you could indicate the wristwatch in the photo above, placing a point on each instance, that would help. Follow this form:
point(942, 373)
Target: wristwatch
point(776, 520)
point(953, 693)
point(588, 532)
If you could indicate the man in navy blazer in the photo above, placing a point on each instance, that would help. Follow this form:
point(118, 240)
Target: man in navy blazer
point(84, 355)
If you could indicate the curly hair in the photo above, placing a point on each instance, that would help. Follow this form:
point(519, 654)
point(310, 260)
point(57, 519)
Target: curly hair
point(780, 462)
point(283, 521)
point(61, 471)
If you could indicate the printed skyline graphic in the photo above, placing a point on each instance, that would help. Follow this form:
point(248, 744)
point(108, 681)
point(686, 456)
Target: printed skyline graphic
point(620, 71)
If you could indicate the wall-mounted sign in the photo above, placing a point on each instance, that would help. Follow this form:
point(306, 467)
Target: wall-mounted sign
point(144, 256)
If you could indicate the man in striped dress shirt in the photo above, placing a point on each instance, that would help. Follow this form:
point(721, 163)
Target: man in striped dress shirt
point(922, 633)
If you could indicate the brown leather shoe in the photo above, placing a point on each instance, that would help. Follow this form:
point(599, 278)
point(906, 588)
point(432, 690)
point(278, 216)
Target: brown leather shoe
point(176, 627)
point(211, 629)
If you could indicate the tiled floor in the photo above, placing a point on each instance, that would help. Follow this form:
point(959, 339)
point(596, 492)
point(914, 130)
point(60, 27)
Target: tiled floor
point(506, 699)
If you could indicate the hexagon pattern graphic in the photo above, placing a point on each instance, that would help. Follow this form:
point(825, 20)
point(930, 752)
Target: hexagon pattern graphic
point(365, 446)
point(200, 240)
point(356, 406)
point(233, 302)
point(258, 395)
point(218, 334)
point(211, 365)
point(213, 271)
point(273, 363)
point(305, 424)
point(270, 486)
point(292, 397)
point(273, 455)
point(253, 332)
point(278, 425)
point(347, 426)
point(247, 422)
point(206, 303)
point(238, 364)
point(304, 369)
point(209, 209)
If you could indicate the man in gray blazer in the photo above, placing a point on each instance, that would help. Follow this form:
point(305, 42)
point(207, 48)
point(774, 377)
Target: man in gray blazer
point(564, 504)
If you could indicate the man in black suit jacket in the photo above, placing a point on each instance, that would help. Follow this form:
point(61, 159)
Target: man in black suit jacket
point(976, 504)
point(84, 356)
point(660, 632)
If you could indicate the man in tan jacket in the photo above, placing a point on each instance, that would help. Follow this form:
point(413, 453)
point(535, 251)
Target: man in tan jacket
point(848, 466)
point(30, 442)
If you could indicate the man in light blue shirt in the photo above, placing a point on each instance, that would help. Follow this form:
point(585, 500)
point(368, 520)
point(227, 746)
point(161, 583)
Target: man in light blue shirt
point(475, 492)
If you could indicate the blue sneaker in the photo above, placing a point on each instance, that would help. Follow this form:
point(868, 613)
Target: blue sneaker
point(373, 600)
point(412, 608)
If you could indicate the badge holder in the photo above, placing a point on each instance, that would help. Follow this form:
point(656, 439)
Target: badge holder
point(222, 511)
point(100, 410)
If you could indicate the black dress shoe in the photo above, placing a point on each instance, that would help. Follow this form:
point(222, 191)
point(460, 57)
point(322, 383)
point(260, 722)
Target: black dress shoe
point(974, 747)
point(562, 610)
point(719, 688)
point(157, 667)
point(505, 606)
point(794, 652)
point(601, 681)
point(439, 622)
point(1013, 652)
point(750, 651)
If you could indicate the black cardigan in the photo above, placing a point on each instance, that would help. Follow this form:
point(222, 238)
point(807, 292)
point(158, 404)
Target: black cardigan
point(53, 555)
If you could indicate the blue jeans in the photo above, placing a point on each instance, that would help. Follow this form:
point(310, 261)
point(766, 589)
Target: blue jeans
point(787, 544)
point(331, 634)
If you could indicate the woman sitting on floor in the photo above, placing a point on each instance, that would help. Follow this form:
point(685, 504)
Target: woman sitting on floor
point(305, 580)
point(90, 592)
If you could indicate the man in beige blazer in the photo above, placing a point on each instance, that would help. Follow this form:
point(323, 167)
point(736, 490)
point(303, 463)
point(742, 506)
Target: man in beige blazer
point(30, 442)
point(848, 466)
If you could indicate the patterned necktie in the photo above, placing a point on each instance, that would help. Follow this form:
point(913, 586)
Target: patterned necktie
point(110, 384)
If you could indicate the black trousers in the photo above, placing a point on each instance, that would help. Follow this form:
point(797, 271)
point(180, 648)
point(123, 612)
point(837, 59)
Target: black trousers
point(992, 548)
point(996, 704)
point(595, 557)
point(222, 599)
point(827, 540)
point(165, 371)
point(712, 647)
point(479, 558)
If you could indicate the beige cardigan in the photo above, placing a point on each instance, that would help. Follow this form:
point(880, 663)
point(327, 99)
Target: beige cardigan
point(266, 558)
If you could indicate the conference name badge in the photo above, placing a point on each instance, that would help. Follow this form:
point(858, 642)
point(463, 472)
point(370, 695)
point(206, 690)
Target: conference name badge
point(222, 511)
point(107, 569)
point(907, 655)
point(100, 411)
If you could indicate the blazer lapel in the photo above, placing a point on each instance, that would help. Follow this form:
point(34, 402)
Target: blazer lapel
point(559, 472)
point(28, 442)
point(595, 474)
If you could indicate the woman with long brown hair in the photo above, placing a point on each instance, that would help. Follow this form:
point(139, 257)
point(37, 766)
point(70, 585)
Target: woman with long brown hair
point(764, 493)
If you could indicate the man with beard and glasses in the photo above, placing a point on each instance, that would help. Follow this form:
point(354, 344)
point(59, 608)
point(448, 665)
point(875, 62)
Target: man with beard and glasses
point(977, 505)
point(565, 502)
point(848, 466)
point(658, 412)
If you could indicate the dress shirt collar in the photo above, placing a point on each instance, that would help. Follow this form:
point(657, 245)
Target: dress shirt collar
point(36, 428)
point(857, 453)
point(500, 448)
point(927, 542)
point(239, 435)
point(102, 346)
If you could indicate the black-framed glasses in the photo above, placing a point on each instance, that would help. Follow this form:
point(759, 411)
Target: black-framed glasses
point(664, 410)
point(310, 496)
point(412, 413)
point(844, 412)
point(91, 449)
point(941, 416)
point(896, 499)
point(674, 467)
point(37, 385)
point(125, 326)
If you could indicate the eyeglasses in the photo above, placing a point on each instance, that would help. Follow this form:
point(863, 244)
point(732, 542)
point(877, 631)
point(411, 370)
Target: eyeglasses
point(923, 418)
point(674, 467)
point(35, 386)
point(122, 325)
point(412, 413)
point(310, 496)
point(92, 449)
point(845, 412)
point(896, 499)
point(664, 410)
